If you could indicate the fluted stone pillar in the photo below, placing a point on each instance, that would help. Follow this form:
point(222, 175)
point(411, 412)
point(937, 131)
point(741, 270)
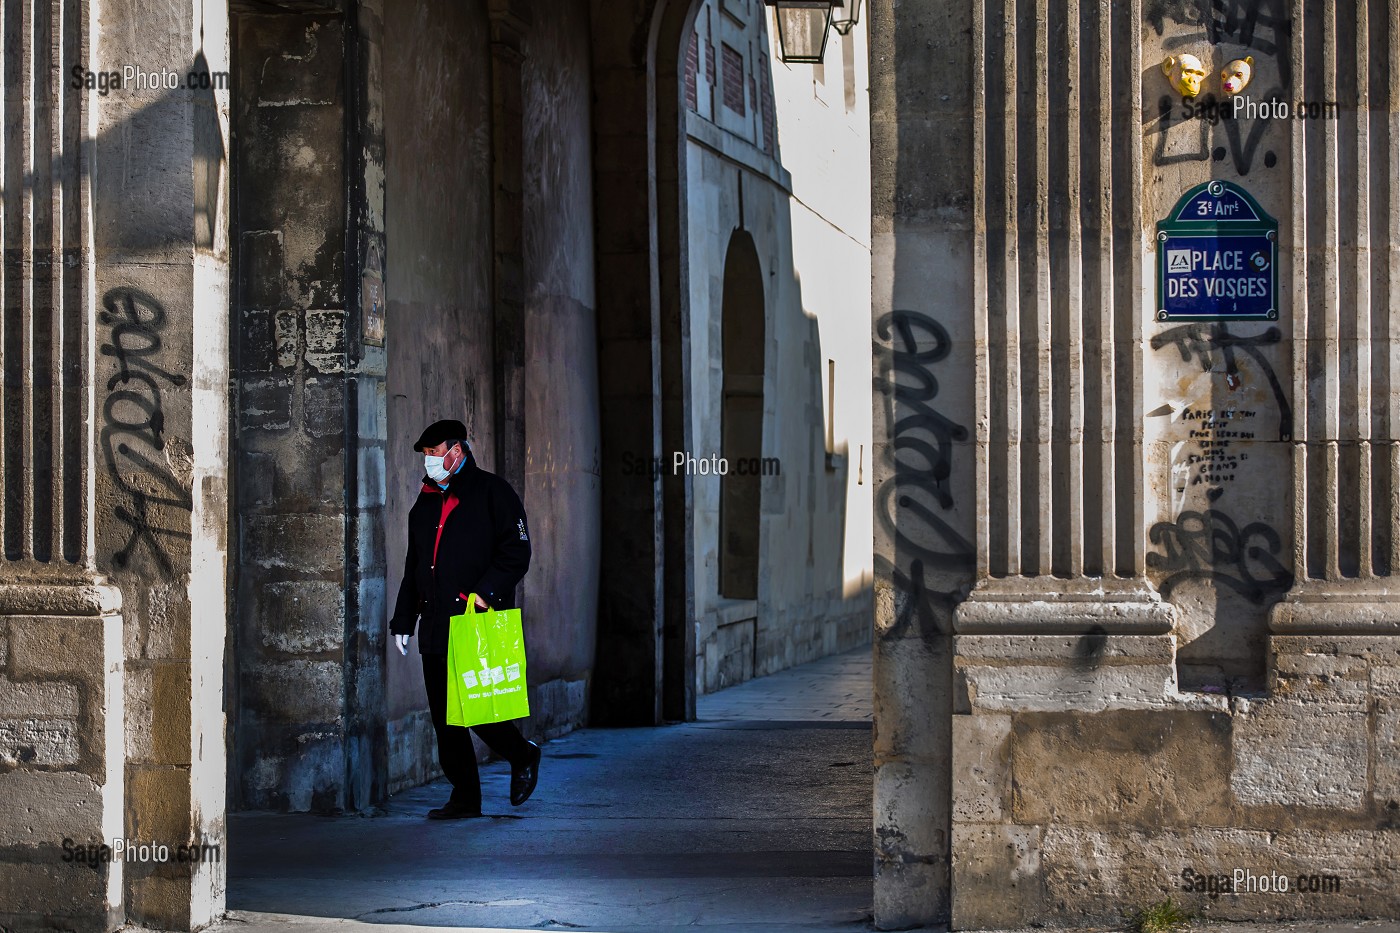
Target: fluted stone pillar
point(1346, 295)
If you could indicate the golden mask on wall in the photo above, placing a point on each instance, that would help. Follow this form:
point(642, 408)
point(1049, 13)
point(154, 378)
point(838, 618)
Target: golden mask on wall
point(1185, 72)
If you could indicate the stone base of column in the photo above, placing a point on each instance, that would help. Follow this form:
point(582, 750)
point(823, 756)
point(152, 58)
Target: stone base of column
point(1055, 606)
point(62, 756)
point(1349, 607)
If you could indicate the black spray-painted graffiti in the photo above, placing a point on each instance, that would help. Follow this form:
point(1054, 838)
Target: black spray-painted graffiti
point(1208, 342)
point(921, 458)
point(1211, 546)
point(1262, 25)
point(1265, 28)
point(133, 431)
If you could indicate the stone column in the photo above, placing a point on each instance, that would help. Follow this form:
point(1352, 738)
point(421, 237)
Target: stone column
point(510, 22)
point(1346, 322)
point(159, 170)
point(310, 403)
point(922, 460)
point(1333, 649)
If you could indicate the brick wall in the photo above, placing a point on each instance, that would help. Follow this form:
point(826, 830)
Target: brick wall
point(733, 79)
point(692, 66)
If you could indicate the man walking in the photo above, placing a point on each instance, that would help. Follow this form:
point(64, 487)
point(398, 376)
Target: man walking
point(466, 534)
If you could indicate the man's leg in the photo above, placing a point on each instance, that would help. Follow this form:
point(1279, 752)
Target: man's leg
point(505, 740)
point(456, 753)
point(524, 757)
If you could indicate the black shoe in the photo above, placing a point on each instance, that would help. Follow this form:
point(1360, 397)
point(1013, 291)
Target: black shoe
point(454, 811)
point(524, 778)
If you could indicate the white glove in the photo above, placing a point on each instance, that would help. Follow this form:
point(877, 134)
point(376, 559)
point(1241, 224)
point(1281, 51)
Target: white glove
point(402, 642)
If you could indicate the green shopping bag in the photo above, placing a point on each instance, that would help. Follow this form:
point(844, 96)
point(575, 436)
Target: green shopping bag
point(485, 667)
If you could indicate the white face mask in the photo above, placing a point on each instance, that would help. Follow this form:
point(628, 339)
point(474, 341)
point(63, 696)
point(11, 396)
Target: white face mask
point(434, 468)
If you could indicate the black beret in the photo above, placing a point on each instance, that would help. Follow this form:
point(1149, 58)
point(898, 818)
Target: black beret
point(440, 431)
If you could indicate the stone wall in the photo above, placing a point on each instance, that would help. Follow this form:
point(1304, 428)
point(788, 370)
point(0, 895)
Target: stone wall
point(801, 205)
point(1084, 794)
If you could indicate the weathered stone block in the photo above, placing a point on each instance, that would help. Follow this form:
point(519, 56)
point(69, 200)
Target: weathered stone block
point(304, 543)
point(301, 617)
point(288, 337)
point(265, 404)
point(911, 894)
point(1146, 769)
point(981, 768)
point(255, 346)
point(310, 780)
point(262, 261)
point(53, 894)
point(158, 805)
point(37, 699)
point(161, 901)
point(137, 688)
point(325, 341)
point(323, 407)
point(57, 645)
point(1301, 755)
point(370, 478)
point(39, 743)
point(374, 616)
point(1011, 673)
point(257, 480)
point(1098, 877)
point(911, 677)
point(911, 811)
point(297, 691)
point(170, 709)
point(996, 876)
point(412, 760)
point(41, 807)
point(1386, 745)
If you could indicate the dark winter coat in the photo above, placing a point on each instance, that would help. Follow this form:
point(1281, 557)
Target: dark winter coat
point(484, 548)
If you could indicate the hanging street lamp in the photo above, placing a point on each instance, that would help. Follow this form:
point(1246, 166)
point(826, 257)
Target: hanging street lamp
point(850, 16)
point(802, 29)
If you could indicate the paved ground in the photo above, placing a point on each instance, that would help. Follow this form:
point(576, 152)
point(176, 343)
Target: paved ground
point(833, 689)
point(757, 817)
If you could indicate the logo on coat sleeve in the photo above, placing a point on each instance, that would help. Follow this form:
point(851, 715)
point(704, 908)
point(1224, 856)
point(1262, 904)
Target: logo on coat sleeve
point(520, 524)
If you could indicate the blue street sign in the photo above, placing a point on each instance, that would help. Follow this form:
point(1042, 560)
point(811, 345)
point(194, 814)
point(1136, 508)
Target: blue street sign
point(1217, 258)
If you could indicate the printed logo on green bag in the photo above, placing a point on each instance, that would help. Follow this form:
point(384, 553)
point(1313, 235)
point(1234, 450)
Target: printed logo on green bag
point(512, 672)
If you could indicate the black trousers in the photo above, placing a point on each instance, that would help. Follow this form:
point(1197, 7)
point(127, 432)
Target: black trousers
point(455, 751)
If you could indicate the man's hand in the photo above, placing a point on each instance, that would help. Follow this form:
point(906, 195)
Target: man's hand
point(402, 642)
point(481, 603)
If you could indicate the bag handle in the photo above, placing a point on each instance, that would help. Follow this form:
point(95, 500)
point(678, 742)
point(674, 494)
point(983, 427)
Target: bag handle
point(471, 605)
